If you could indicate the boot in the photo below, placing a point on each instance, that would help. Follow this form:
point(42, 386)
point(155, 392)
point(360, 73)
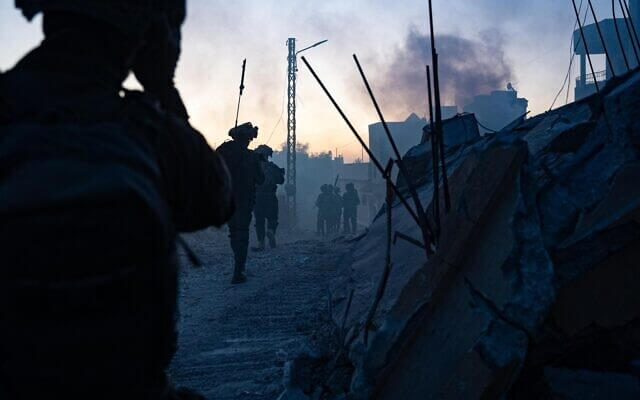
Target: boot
point(238, 278)
point(260, 246)
point(238, 271)
point(272, 239)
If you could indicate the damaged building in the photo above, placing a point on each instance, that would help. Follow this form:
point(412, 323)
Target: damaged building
point(533, 290)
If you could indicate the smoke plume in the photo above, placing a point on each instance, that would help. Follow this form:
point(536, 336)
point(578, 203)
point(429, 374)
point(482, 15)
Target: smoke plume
point(466, 67)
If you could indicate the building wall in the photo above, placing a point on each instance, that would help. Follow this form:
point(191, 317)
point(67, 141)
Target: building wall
point(406, 134)
point(498, 109)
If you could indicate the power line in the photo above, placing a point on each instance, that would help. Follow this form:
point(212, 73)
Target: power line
point(284, 94)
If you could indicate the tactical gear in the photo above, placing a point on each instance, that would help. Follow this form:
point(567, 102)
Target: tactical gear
point(245, 131)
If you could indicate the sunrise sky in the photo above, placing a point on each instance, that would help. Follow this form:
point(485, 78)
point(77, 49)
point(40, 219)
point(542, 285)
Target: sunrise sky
point(532, 35)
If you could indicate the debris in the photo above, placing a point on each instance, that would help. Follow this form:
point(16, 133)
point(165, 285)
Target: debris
point(534, 283)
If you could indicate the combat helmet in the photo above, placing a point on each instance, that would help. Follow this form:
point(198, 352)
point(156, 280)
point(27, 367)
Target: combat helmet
point(131, 17)
point(264, 150)
point(244, 131)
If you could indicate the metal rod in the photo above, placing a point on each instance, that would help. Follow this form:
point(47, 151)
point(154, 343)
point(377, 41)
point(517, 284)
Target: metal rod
point(344, 317)
point(604, 44)
point(407, 238)
point(626, 22)
point(438, 110)
point(631, 27)
point(434, 160)
point(425, 226)
point(312, 46)
point(615, 23)
point(440, 133)
point(384, 278)
point(372, 157)
point(586, 48)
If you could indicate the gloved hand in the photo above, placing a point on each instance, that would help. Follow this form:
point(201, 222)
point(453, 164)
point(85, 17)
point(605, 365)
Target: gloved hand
point(155, 64)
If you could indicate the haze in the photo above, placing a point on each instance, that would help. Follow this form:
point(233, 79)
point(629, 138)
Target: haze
point(533, 37)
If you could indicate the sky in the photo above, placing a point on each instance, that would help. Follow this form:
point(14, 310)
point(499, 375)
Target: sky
point(528, 40)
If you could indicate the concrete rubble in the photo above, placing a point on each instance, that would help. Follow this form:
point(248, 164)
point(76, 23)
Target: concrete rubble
point(534, 291)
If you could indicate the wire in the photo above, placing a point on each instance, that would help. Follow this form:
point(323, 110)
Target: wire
point(572, 57)
point(482, 126)
point(348, 144)
point(284, 95)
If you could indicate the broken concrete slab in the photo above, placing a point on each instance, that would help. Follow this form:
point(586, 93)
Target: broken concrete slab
point(536, 265)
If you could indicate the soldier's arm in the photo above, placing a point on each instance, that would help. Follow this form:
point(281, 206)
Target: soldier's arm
point(199, 185)
point(279, 174)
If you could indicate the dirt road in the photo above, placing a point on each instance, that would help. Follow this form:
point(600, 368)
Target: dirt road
point(234, 339)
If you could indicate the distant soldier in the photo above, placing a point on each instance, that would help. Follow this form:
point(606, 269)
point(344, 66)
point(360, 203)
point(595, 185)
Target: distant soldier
point(324, 203)
point(266, 209)
point(95, 184)
point(336, 209)
point(350, 202)
point(245, 167)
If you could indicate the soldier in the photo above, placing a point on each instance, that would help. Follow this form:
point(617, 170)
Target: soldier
point(246, 174)
point(324, 203)
point(336, 209)
point(266, 201)
point(94, 186)
point(350, 204)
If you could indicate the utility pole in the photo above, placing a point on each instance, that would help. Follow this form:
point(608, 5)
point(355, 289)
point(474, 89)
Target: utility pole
point(290, 187)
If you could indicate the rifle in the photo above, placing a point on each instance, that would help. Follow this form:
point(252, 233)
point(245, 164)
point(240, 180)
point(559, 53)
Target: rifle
point(244, 66)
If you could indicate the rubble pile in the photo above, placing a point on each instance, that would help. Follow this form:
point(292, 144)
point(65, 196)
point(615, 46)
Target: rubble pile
point(534, 291)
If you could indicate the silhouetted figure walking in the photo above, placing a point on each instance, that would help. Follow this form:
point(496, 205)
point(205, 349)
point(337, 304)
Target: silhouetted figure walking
point(266, 208)
point(324, 203)
point(246, 173)
point(350, 201)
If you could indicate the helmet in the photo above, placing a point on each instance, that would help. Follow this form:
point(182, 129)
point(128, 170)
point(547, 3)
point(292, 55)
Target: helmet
point(131, 17)
point(244, 131)
point(265, 150)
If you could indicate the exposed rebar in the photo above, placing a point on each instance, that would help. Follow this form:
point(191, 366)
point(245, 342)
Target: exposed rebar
point(427, 232)
point(615, 24)
point(373, 158)
point(604, 44)
point(384, 278)
point(586, 48)
point(434, 160)
point(631, 30)
point(438, 111)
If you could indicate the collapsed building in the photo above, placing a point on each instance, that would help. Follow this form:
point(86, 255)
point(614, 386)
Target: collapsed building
point(534, 287)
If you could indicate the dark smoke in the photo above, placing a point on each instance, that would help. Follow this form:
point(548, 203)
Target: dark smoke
point(467, 68)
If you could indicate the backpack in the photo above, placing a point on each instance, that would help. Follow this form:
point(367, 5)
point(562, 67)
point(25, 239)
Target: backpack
point(88, 274)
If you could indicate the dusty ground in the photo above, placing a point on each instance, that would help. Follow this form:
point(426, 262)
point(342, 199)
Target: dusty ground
point(234, 339)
